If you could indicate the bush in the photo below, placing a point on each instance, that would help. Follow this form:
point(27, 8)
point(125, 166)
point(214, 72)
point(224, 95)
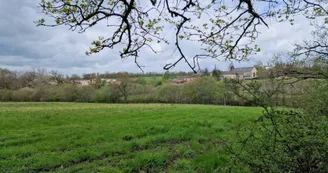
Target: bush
point(67, 93)
point(141, 81)
point(201, 90)
point(23, 95)
point(141, 89)
point(85, 94)
point(171, 94)
point(109, 94)
point(6, 95)
point(100, 96)
point(53, 94)
point(44, 93)
point(284, 141)
point(316, 99)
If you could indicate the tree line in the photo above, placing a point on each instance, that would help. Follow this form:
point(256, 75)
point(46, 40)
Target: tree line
point(40, 85)
point(201, 90)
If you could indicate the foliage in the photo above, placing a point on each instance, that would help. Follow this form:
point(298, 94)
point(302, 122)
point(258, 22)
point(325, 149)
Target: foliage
point(167, 93)
point(167, 76)
point(42, 93)
point(85, 94)
point(281, 140)
point(316, 99)
point(109, 94)
point(6, 95)
point(124, 85)
point(201, 90)
point(224, 94)
point(171, 94)
point(151, 89)
point(101, 96)
point(206, 72)
point(141, 81)
point(23, 95)
point(68, 93)
point(284, 141)
point(217, 74)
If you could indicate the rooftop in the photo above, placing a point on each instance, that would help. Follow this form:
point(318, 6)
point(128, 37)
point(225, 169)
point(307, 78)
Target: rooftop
point(240, 70)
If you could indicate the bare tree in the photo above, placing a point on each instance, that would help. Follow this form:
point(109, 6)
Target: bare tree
point(28, 78)
point(74, 78)
point(5, 78)
point(315, 50)
point(58, 77)
point(317, 46)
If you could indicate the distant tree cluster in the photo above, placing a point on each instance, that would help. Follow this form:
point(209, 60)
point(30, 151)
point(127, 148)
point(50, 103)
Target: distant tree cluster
point(134, 75)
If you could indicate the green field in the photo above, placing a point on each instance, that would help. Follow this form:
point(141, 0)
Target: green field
point(150, 80)
point(77, 137)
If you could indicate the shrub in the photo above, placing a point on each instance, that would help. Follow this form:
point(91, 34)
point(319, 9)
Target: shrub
point(43, 93)
point(316, 99)
point(171, 94)
point(141, 89)
point(141, 81)
point(101, 96)
point(23, 95)
point(284, 141)
point(53, 93)
point(109, 94)
point(67, 93)
point(85, 94)
point(201, 90)
point(6, 95)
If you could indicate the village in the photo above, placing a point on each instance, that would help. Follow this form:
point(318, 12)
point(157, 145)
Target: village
point(246, 73)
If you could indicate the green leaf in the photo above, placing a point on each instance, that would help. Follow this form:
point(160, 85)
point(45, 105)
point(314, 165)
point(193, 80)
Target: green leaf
point(58, 21)
point(258, 49)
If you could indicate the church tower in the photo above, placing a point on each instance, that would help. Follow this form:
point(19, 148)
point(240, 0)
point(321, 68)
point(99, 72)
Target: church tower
point(231, 66)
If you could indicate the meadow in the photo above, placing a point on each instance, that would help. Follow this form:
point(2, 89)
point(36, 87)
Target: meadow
point(89, 137)
point(149, 80)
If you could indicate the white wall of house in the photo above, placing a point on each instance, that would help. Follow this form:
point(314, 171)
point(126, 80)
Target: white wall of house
point(84, 82)
point(249, 74)
point(230, 76)
point(254, 72)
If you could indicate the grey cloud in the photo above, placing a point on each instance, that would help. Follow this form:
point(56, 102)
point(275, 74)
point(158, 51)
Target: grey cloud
point(25, 46)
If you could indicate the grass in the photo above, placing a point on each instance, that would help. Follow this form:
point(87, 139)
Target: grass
point(81, 137)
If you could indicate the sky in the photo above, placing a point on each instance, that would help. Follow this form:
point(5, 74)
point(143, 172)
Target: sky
point(23, 46)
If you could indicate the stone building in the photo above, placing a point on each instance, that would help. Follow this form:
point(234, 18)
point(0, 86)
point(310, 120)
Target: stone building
point(241, 72)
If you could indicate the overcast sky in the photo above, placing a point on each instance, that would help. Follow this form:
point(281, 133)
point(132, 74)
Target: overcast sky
point(24, 46)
